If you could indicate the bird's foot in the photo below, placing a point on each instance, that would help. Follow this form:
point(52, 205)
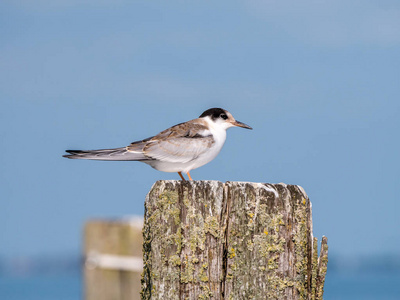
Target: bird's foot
point(180, 174)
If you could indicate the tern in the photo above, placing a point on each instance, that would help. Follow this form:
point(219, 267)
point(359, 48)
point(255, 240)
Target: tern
point(180, 148)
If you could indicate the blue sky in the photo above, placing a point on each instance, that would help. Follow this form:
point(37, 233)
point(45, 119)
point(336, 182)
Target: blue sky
point(318, 82)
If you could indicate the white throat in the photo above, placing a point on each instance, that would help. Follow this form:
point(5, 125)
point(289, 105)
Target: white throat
point(218, 130)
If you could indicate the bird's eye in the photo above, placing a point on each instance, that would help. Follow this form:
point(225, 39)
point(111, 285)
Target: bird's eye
point(223, 116)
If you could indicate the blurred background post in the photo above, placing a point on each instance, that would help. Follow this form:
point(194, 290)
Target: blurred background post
point(113, 259)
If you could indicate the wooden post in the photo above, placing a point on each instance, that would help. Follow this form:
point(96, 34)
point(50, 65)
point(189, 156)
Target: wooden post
point(238, 240)
point(113, 259)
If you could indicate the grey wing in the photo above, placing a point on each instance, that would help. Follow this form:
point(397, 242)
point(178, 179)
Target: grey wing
point(180, 143)
point(179, 150)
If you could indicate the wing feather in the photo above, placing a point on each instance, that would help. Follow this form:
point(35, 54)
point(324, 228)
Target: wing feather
point(180, 143)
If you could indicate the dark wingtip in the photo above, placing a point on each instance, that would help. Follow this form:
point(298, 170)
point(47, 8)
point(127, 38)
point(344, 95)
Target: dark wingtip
point(72, 153)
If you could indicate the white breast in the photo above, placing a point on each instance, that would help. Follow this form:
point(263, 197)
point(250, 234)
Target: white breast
point(219, 135)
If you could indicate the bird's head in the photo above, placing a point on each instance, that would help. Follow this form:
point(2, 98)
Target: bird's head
point(222, 118)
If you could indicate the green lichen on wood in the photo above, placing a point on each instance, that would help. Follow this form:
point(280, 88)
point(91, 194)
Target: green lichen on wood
point(301, 248)
point(314, 268)
point(177, 238)
point(168, 206)
point(175, 260)
point(161, 233)
point(322, 268)
point(201, 225)
point(256, 241)
point(212, 226)
point(147, 276)
point(205, 293)
point(187, 271)
point(260, 232)
point(203, 277)
point(184, 219)
point(277, 287)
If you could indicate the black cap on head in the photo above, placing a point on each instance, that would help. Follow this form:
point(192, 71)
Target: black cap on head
point(213, 113)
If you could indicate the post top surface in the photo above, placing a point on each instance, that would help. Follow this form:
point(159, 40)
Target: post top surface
point(215, 183)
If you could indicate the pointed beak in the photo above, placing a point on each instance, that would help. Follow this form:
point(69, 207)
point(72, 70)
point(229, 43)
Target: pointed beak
point(240, 124)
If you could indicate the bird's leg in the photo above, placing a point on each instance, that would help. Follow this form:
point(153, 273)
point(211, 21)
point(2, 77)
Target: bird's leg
point(190, 177)
point(180, 174)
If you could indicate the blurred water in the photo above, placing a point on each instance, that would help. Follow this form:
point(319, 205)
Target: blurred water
point(338, 285)
point(62, 286)
point(362, 285)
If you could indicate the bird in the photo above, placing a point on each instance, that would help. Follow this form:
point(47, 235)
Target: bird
point(180, 148)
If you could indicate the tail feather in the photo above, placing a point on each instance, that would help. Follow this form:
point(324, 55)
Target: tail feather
point(105, 154)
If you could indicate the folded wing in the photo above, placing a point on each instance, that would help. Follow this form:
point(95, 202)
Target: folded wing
point(180, 143)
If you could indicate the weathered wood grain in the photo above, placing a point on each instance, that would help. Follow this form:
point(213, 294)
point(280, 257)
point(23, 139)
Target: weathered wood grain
point(322, 268)
point(183, 241)
point(238, 240)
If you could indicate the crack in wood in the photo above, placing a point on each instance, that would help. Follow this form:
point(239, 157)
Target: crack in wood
point(209, 240)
